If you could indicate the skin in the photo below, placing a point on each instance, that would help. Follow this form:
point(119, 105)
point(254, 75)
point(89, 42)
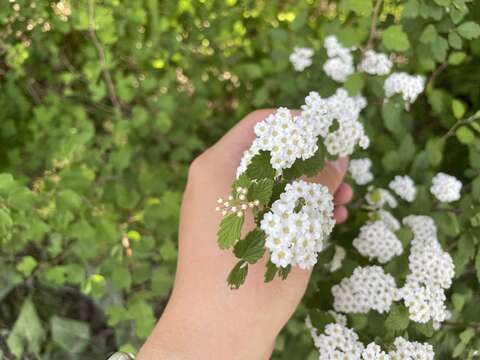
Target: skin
point(204, 319)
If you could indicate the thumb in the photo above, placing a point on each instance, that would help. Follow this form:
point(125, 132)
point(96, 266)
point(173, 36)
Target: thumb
point(332, 174)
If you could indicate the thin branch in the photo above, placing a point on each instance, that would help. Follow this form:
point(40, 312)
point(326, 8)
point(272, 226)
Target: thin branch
point(101, 53)
point(373, 25)
point(436, 72)
point(461, 122)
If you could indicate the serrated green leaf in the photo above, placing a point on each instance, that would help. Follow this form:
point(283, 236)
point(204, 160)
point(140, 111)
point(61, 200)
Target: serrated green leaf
point(455, 40)
point(261, 191)
point(309, 167)
point(429, 34)
point(397, 319)
point(260, 167)
point(394, 38)
point(360, 7)
point(237, 276)
point(252, 248)
point(469, 30)
point(284, 271)
point(229, 231)
point(270, 272)
point(320, 319)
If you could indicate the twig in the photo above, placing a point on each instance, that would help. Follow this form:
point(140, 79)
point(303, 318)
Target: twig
point(101, 53)
point(373, 25)
point(461, 122)
point(436, 72)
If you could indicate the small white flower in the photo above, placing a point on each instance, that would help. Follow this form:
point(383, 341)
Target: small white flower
point(369, 288)
point(446, 188)
point(295, 236)
point(360, 170)
point(402, 83)
point(375, 63)
point(377, 241)
point(301, 58)
point(404, 187)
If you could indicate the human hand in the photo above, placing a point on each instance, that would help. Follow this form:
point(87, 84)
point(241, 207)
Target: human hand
point(204, 319)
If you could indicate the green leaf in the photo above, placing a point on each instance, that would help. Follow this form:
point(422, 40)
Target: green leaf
point(27, 265)
point(252, 248)
point(465, 338)
point(456, 58)
point(260, 167)
point(309, 167)
point(458, 108)
point(411, 9)
point(284, 271)
point(270, 272)
point(261, 190)
point(477, 265)
point(429, 34)
point(394, 38)
point(72, 336)
point(229, 231)
point(320, 319)
point(458, 301)
point(455, 40)
point(465, 135)
point(237, 276)
point(27, 334)
point(360, 7)
point(398, 318)
point(354, 84)
point(439, 48)
point(469, 30)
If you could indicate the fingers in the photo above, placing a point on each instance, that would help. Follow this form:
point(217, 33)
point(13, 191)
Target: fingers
point(340, 214)
point(343, 195)
point(332, 174)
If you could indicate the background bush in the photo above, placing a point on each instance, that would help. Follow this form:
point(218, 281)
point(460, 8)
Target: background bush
point(105, 103)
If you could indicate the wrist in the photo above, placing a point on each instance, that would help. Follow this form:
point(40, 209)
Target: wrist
point(195, 332)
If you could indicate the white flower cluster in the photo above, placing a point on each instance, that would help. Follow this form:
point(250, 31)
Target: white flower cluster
point(431, 272)
point(446, 188)
point(301, 58)
point(338, 318)
point(404, 187)
point(344, 111)
point(236, 205)
point(360, 170)
point(340, 63)
point(289, 137)
point(411, 350)
point(377, 241)
point(338, 342)
point(374, 63)
point(379, 197)
point(388, 219)
point(409, 86)
point(285, 136)
point(296, 232)
point(368, 288)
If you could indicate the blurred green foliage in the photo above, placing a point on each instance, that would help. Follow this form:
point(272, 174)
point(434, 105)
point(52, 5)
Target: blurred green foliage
point(105, 103)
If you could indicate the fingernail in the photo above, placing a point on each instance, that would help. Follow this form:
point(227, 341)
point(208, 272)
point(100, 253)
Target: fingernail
point(341, 164)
